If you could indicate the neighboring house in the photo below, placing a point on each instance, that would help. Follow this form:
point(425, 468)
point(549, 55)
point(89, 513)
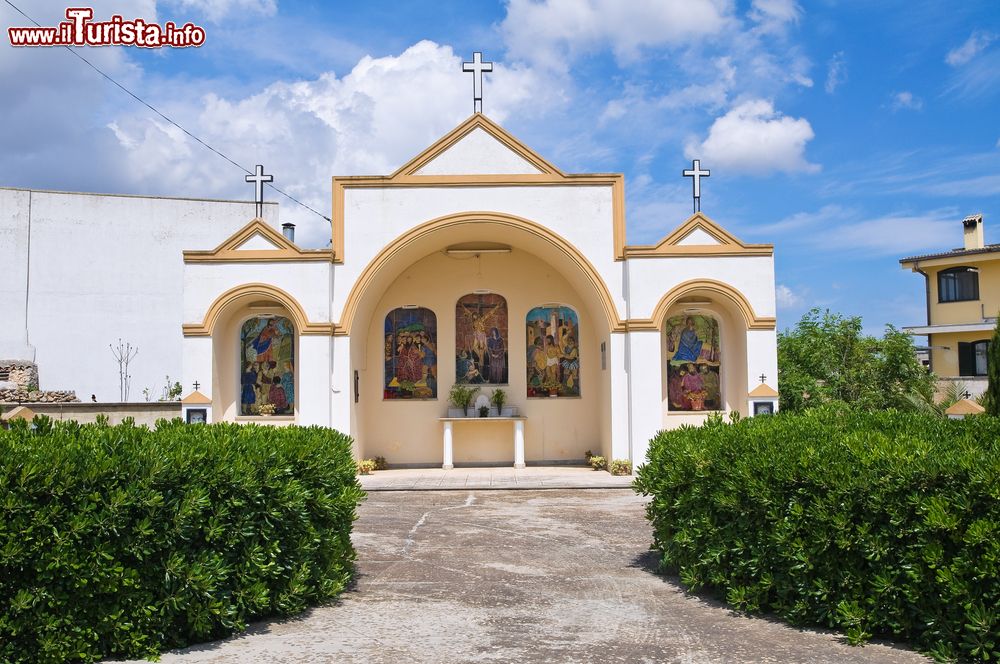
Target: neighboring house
point(963, 298)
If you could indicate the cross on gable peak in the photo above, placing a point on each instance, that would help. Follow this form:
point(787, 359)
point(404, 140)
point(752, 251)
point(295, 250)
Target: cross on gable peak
point(477, 67)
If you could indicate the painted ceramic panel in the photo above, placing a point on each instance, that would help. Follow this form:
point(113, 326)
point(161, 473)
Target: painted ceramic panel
point(553, 335)
point(267, 378)
point(693, 364)
point(410, 354)
point(481, 340)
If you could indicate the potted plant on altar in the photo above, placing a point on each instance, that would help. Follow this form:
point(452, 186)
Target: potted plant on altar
point(498, 398)
point(461, 397)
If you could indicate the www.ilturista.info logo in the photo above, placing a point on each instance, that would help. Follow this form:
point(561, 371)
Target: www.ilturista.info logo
point(80, 30)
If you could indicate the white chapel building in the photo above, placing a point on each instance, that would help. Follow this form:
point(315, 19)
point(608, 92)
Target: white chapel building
point(478, 262)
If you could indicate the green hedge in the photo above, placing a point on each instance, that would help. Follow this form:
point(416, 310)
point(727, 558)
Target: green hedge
point(121, 541)
point(874, 523)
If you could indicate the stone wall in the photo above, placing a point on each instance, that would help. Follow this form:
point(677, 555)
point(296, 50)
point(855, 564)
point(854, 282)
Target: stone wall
point(15, 374)
point(85, 413)
point(19, 384)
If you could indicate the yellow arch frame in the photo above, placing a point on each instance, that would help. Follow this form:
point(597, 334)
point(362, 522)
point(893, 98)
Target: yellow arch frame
point(393, 249)
point(723, 290)
point(256, 290)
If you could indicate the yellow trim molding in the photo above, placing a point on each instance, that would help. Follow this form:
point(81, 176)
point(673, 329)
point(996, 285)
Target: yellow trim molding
point(406, 176)
point(728, 244)
point(229, 251)
point(250, 292)
point(713, 287)
point(393, 249)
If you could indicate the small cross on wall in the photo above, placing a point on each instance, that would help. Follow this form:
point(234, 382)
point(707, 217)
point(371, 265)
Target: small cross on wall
point(966, 395)
point(763, 378)
point(196, 385)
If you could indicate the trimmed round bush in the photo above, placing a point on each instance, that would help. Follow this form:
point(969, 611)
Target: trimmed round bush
point(881, 523)
point(124, 541)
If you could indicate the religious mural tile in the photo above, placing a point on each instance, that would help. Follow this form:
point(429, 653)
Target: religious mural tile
point(267, 378)
point(553, 354)
point(481, 339)
point(410, 354)
point(693, 363)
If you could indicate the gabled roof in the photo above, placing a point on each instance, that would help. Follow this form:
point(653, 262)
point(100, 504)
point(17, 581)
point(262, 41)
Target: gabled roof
point(700, 236)
point(965, 407)
point(477, 122)
point(763, 391)
point(479, 132)
point(196, 398)
point(256, 242)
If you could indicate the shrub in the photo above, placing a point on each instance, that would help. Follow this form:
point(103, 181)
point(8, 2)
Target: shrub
point(620, 467)
point(380, 463)
point(598, 462)
point(874, 523)
point(367, 466)
point(121, 541)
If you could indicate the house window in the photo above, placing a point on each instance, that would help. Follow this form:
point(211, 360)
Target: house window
point(958, 284)
point(972, 358)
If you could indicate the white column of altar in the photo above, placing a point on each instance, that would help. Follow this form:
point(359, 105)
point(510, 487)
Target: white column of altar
point(448, 459)
point(519, 443)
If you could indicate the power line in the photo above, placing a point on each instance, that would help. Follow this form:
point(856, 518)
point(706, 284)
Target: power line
point(153, 109)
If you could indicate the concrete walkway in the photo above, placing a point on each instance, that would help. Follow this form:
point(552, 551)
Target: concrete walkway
point(532, 477)
point(519, 576)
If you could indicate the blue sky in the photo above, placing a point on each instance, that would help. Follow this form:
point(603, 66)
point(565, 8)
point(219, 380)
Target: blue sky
point(848, 133)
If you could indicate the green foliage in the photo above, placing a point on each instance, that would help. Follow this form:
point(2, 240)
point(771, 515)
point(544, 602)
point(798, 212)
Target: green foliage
point(461, 395)
point(122, 542)
point(498, 399)
point(826, 359)
point(620, 467)
point(367, 466)
point(380, 463)
point(598, 462)
point(873, 523)
point(991, 398)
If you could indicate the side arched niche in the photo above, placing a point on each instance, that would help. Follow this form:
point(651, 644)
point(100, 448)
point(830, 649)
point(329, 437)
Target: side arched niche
point(725, 356)
point(226, 320)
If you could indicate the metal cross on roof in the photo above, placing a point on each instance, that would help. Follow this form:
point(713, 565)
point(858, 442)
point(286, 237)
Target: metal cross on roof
point(697, 174)
point(763, 378)
point(477, 67)
point(196, 385)
point(259, 179)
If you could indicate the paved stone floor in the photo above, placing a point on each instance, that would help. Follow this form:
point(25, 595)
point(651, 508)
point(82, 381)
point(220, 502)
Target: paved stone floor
point(507, 477)
point(519, 576)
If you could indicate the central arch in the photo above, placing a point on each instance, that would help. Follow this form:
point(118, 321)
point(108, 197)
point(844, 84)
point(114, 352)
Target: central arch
point(540, 269)
point(394, 252)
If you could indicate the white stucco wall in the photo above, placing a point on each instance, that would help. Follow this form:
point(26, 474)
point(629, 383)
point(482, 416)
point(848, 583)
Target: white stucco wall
point(14, 233)
point(104, 267)
point(650, 278)
point(580, 214)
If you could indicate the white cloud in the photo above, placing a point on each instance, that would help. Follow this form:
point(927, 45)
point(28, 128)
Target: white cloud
point(371, 120)
point(892, 235)
point(977, 42)
point(775, 15)
point(547, 32)
point(216, 10)
point(836, 72)
point(905, 100)
point(786, 297)
point(754, 138)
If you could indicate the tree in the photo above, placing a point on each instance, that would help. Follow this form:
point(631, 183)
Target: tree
point(991, 402)
point(826, 358)
point(123, 352)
